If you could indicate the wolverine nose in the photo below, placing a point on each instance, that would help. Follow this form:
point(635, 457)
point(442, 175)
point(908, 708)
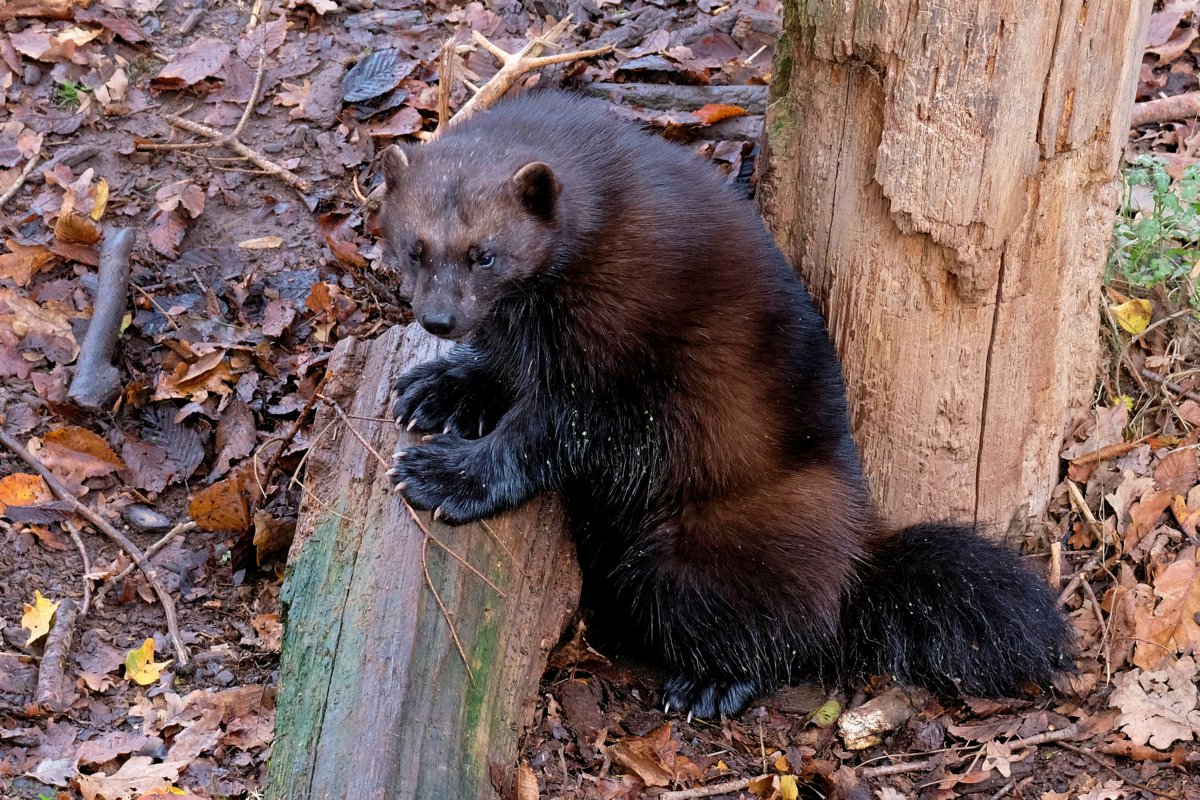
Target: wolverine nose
point(439, 323)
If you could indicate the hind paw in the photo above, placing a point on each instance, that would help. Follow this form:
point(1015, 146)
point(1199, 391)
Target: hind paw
point(704, 698)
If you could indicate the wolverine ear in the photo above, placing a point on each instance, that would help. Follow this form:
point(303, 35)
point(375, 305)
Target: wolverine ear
point(538, 188)
point(395, 161)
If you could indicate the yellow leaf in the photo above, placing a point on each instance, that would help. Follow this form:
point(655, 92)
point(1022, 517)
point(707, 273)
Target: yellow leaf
point(721, 765)
point(827, 714)
point(262, 243)
point(1133, 315)
point(101, 200)
point(782, 764)
point(140, 665)
point(37, 617)
point(787, 788)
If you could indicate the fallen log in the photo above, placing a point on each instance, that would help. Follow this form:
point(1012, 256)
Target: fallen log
point(375, 697)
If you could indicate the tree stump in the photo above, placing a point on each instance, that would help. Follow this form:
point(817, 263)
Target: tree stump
point(944, 177)
point(374, 697)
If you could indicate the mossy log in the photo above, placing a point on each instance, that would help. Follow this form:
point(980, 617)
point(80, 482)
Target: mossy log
point(375, 699)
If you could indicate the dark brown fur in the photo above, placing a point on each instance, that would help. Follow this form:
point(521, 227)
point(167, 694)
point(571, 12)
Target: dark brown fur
point(632, 338)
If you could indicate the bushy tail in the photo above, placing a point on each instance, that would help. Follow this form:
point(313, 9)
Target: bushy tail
point(940, 606)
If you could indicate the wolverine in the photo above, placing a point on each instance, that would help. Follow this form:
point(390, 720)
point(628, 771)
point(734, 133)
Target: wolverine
point(629, 336)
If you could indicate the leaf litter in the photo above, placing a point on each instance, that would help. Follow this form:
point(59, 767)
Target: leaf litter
point(240, 287)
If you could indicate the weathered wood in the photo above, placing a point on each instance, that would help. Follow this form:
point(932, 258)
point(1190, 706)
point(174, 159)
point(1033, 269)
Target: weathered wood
point(944, 177)
point(374, 699)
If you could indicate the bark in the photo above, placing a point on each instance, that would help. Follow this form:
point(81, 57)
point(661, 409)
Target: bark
point(375, 699)
point(97, 381)
point(945, 179)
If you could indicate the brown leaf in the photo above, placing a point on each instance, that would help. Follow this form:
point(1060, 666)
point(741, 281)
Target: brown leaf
point(199, 60)
point(1177, 471)
point(181, 193)
point(136, 776)
point(1189, 411)
point(405, 121)
point(715, 112)
point(83, 441)
point(111, 744)
point(235, 437)
point(165, 229)
point(1173, 627)
point(72, 228)
point(1144, 515)
point(271, 535)
point(277, 316)
point(21, 262)
point(221, 507)
point(526, 784)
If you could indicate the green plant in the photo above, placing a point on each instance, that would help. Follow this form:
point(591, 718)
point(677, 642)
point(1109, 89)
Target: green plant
point(1156, 238)
point(67, 94)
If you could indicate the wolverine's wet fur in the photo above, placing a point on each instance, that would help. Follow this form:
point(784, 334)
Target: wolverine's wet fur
point(631, 337)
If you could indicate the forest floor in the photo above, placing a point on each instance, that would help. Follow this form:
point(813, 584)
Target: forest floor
point(246, 272)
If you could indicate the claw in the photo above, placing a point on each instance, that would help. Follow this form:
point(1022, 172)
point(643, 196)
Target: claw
point(398, 488)
point(412, 424)
point(447, 428)
point(399, 422)
point(399, 455)
point(689, 719)
point(427, 438)
point(667, 710)
point(437, 514)
point(393, 472)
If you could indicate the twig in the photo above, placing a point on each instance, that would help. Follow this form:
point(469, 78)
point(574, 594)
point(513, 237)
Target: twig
point(287, 440)
point(106, 527)
point(441, 605)
point(96, 380)
point(87, 567)
point(1069, 732)
point(707, 791)
point(514, 65)
point(1117, 772)
point(231, 140)
point(181, 528)
point(161, 310)
point(54, 657)
point(1005, 789)
point(1174, 387)
point(16, 187)
point(258, 13)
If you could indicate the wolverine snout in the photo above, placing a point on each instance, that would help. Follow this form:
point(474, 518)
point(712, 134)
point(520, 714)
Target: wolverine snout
point(439, 323)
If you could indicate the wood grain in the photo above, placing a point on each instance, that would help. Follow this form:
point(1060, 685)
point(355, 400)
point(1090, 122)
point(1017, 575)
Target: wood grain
point(374, 698)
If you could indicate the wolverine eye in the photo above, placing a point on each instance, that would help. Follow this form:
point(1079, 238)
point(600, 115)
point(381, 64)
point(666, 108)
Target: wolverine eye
point(486, 261)
point(414, 253)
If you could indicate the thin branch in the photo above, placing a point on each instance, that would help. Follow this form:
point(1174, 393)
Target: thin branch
point(106, 527)
point(54, 657)
point(441, 605)
point(287, 440)
point(707, 791)
point(87, 567)
point(1117, 772)
point(16, 187)
point(1174, 387)
point(183, 527)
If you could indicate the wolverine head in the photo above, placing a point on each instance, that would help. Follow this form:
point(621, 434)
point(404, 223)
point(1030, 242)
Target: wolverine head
point(464, 227)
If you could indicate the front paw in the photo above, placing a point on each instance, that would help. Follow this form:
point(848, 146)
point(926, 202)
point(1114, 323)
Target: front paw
point(438, 475)
point(706, 698)
point(442, 396)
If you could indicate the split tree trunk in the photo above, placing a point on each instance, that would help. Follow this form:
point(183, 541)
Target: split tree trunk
point(944, 177)
point(374, 697)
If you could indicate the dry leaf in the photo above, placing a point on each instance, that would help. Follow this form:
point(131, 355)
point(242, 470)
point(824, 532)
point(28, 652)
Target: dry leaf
point(37, 617)
point(1133, 315)
point(526, 784)
point(136, 776)
point(140, 666)
point(84, 441)
point(21, 262)
point(1157, 707)
point(221, 507)
point(715, 112)
point(23, 489)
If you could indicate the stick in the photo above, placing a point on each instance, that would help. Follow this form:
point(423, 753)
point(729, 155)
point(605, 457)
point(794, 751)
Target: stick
point(183, 527)
point(1069, 732)
point(287, 440)
point(1117, 772)
point(707, 791)
point(54, 657)
point(106, 527)
point(16, 187)
point(87, 567)
point(1181, 106)
point(1174, 387)
point(96, 379)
